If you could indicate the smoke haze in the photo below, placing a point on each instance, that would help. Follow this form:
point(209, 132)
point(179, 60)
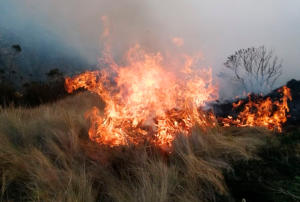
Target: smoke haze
point(217, 28)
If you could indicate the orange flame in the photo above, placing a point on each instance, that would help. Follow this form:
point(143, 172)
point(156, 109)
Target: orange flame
point(178, 41)
point(262, 112)
point(144, 101)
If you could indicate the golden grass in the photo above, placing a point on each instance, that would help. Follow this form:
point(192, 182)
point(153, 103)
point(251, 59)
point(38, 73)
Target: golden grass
point(45, 155)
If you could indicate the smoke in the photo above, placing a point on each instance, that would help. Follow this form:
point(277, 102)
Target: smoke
point(216, 28)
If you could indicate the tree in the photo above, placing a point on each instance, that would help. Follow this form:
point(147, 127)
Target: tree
point(256, 69)
point(2, 71)
point(55, 75)
point(17, 49)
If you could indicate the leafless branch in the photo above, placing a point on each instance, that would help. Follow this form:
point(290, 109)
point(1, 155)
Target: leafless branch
point(256, 69)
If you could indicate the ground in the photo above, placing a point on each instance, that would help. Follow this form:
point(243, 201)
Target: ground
point(45, 155)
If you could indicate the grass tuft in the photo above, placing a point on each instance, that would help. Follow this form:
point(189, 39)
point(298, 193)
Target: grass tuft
point(45, 155)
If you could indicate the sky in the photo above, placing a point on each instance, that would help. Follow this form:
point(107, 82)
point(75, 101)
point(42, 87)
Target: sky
point(217, 28)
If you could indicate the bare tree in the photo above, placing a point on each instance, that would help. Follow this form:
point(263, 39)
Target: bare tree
point(256, 69)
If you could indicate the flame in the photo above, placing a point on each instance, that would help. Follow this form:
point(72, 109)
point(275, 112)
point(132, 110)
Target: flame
point(178, 41)
point(238, 104)
point(262, 112)
point(145, 101)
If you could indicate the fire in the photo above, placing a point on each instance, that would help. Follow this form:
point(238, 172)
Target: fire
point(145, 101)
point(151, 97)
point(178, 41)
point(262, 112)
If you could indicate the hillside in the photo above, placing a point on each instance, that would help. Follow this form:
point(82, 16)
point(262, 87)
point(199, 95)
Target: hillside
point(45, 155)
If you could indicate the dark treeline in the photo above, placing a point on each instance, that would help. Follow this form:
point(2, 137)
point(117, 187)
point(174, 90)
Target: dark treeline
point(33, 64)
point(19, 87)
point(32, 93)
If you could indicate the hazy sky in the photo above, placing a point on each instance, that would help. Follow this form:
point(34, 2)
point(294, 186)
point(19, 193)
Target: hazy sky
point(216, 27)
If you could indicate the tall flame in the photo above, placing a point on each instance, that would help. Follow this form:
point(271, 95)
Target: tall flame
point(146, 102)
point(143, 100)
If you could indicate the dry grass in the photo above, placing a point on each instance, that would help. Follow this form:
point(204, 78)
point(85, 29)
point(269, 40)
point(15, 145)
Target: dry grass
point(45, 155)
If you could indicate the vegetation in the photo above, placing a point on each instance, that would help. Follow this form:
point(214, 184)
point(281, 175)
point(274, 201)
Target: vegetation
point(16, 50)
point(273, 175)
point(26, 79)
point(33, 93)
point(255, 69)
point(45, 155)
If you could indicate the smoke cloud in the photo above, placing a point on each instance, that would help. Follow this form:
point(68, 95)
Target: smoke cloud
point(217, 28)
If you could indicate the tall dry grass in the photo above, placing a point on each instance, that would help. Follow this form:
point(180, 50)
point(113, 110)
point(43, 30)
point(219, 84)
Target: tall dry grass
point(45, 155)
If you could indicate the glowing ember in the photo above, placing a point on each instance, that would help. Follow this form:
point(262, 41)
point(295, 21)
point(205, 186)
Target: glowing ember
point(144, 101)
point(262, 112)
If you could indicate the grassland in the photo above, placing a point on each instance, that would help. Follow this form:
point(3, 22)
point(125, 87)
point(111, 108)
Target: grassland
point(45, 155)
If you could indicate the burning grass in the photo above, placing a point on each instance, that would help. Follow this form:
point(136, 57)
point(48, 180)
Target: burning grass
point(45, 155)
point(150, 138)
point(146, 101)
point(148, 96)
point(262, 112)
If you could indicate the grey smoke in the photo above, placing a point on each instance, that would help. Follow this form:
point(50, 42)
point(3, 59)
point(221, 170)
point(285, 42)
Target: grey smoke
point(218, 28)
